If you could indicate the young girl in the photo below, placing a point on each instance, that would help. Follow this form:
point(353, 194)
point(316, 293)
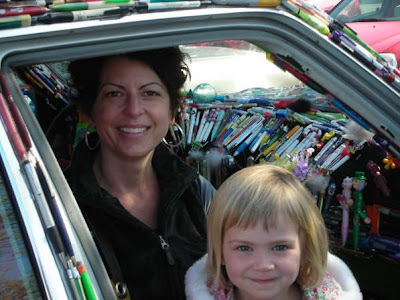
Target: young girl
point(267, 240)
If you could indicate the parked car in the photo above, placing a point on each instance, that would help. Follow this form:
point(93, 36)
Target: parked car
point(37, 123)
point(377, 22)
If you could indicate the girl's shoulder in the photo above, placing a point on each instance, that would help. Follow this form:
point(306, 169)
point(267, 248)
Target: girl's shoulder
point(329, 289)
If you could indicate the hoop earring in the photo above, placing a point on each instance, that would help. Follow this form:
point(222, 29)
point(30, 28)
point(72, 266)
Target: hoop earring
point(87, 142)
point(176, 141)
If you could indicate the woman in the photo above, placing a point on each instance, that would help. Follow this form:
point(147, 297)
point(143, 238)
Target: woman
point(144, 205)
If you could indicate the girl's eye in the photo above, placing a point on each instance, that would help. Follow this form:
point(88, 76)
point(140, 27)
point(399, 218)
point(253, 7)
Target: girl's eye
point(280, 248)
point(243, 248)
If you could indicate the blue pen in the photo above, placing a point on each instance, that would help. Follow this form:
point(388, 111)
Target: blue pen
point(350, 113)
point(220, 117)
point(227, 127)
point(248, 140)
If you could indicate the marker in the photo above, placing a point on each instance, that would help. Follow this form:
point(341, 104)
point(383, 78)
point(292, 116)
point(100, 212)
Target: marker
point(142, 5)
point(86, 282)
point(90, 5)
point(28, 10)
point(309, 19)
point(75, 16)
point(15, 21)
point(258, 3)
point(26, 3)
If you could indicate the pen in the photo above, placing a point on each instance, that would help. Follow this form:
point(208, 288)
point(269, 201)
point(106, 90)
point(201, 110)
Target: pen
point(292, 135)
point(257, 142)
point(193, 113)
point(218, 122)
point(211, 124)
point(201, 126)
point(235, 127)
point(196, 125)
point(324, 149)
point(334, 155)
point(244, 145)
point(240, 129)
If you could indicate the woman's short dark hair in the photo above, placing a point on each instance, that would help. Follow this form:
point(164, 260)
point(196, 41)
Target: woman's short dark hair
point(168, 63)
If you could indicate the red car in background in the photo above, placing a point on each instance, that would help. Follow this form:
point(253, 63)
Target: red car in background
point(376, 22)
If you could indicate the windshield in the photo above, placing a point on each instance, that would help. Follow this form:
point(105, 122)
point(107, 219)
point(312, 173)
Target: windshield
point(367, 10)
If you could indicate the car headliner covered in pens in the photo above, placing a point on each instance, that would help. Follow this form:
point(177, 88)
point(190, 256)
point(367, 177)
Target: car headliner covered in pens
point(221, 42)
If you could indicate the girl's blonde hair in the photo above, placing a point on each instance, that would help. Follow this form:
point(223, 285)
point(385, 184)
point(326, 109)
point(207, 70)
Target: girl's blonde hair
point(261, 192)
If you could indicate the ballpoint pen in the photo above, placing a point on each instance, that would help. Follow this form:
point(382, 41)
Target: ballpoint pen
point(317, 159)
point(336, 153)
point(256, 130)
point(193, 112)
point(242, 131)
point(217, 124)
point(201, 126)
point(209, 124)
point(237, 128)
point(291, 136)
point(257, 141)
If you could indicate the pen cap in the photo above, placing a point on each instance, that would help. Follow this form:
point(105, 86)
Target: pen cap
point(204, 93)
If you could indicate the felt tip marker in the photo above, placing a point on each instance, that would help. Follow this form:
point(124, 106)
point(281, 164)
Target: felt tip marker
point(259, 3)
point(27, 10)
point(75, 16)
point(74, 6)
point(15, 21)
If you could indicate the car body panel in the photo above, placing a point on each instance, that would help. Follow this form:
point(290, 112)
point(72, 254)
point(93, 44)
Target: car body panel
point(332, 67)
point(380, 29)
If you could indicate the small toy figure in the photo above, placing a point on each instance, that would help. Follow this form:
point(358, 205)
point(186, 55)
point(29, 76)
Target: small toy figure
point(345, 202)
point(379, 179)
point(359, 184)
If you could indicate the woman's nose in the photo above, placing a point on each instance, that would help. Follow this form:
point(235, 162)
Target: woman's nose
point(134, 105)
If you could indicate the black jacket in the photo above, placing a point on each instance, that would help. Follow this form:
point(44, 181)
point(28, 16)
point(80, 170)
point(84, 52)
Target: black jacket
point(151, 269)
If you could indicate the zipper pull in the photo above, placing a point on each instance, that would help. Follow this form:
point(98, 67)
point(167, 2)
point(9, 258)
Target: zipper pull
point(165, 247)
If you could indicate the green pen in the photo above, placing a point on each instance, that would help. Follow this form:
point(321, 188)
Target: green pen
point(91, 5)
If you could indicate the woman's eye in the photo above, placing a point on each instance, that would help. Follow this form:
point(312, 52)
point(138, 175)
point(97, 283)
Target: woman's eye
point(113, 94)
point(280, 248)
point(243, 248)
point(151, 93)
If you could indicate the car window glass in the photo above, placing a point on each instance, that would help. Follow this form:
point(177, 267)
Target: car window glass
point(17, 278)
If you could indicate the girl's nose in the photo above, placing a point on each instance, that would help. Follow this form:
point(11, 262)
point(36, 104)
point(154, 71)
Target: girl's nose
point(264, 262)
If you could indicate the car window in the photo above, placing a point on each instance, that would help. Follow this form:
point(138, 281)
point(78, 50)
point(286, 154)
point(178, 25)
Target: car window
point(17, 277)
point(367, 10)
